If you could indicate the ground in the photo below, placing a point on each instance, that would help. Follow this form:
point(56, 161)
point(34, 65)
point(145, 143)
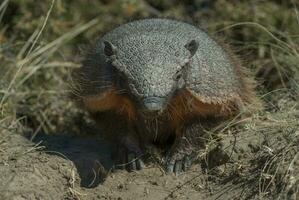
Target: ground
point(50, 148)
point(51, 174)
point(65, 166)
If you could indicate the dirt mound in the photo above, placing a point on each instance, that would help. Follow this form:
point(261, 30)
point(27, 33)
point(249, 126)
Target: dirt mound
point(26, 173)
point(257, 158)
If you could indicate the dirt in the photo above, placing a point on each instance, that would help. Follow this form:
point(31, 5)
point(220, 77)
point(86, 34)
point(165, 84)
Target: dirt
point(70, 167)
point(79, 167)
point(256, 158)
point(62, 167)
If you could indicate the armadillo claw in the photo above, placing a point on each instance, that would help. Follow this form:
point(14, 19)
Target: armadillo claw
point(179, 166)
point(134, 162)
point(176, 167)
point(131, 162)
point(130, 154)
point(140, 164)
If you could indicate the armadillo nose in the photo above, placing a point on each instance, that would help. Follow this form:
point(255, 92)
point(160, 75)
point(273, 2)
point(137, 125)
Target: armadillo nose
point(153, 104)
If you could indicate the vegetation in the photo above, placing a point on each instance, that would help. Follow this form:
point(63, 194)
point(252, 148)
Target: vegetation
point(41, 41)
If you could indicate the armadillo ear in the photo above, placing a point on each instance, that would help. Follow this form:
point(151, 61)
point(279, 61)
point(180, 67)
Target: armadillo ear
point(109, 49)
point(192, 46)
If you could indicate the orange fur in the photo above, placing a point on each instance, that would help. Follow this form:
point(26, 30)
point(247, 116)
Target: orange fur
point(181, 108)
point(110, 100)
point(186, 106)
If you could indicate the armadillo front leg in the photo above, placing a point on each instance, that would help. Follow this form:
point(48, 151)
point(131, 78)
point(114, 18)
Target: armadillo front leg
point(185, 149)
point(130, 154)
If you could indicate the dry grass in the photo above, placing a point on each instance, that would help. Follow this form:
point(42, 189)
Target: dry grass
point(39, 46)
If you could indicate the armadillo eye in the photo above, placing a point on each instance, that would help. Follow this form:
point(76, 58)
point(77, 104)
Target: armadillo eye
point(178, 75)
point(109, 49)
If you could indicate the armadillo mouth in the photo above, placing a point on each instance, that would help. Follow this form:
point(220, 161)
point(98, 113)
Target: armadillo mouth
point(153, 105)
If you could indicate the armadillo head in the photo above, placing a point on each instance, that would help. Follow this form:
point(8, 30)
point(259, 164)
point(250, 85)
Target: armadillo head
point(152, 73)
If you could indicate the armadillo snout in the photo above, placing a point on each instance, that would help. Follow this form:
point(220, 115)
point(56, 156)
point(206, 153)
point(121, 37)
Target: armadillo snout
point(153, 105)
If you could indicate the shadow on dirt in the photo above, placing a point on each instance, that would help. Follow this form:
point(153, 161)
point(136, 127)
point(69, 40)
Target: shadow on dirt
point(89, 154)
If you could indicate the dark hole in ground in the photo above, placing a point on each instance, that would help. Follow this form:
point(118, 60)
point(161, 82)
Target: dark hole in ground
point(89, 153)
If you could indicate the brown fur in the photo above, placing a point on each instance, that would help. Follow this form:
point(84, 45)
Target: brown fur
point(183, 107)
point(248, 97)
point(111, 100)
point(186, 106)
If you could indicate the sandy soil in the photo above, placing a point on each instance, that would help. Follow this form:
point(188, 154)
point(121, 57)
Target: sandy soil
point(78, 167)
